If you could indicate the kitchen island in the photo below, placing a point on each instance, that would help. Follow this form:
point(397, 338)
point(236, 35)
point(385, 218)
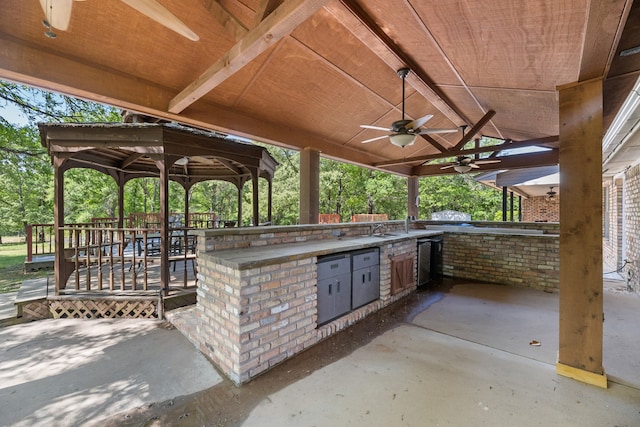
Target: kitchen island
point(258, 294)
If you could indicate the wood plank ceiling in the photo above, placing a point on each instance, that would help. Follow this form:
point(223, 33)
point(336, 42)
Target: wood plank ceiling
point(299, 73)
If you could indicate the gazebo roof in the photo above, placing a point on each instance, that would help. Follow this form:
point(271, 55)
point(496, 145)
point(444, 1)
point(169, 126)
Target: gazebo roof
point(134, 149)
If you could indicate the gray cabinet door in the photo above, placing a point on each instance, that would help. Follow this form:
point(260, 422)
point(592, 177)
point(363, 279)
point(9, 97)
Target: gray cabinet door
point(342, 285)
point(365, 284)
point(325, 300)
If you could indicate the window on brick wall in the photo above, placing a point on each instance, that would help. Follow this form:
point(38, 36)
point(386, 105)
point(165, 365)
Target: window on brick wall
point(606, 223)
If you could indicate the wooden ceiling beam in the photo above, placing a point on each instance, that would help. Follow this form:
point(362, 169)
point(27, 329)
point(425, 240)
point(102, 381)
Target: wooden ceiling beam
point(517, 161)
point(601, 38)
point(487, 149)
point(474, 130)
point(228, 21)
point(356, 21)
point(130, 160)
point(264, 9)
point(274, 27)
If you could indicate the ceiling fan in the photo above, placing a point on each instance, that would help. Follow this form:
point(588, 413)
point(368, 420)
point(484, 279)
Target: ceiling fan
point(58, 14)
point(464, 164)
point(404, 132)
point(551, 194)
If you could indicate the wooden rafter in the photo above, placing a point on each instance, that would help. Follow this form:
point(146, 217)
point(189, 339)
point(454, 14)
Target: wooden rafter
point(474, 130)
point(129, 160)
point(264, 9)
point(454, 153)
point(546, 158)
point(274, 27)
point(228, 21)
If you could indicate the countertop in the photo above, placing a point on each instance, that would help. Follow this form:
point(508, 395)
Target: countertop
point(257, 256)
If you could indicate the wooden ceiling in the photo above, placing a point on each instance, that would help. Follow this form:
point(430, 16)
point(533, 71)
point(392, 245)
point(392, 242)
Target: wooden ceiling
point(308, 73)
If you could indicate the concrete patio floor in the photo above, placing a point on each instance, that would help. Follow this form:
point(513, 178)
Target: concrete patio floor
point(457, 354)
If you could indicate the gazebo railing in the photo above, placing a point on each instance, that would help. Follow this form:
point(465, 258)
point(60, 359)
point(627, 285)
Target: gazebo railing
point(125, 259)
point(41, 237)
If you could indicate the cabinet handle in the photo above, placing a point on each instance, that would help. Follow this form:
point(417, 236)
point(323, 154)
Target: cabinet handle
point(329, 289)
point(366, 258)
point(363, 276)
point(369, 276)
point(338, 286)
point(334, 266)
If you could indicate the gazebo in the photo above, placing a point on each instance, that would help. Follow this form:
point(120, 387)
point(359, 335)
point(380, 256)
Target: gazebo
point(168, 151)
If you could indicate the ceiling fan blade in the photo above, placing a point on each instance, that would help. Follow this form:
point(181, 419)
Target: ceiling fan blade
point(375, 127)
point(448, 166)
point(374, 139)
point(57, 13)
point(433, 130)
point(486, 162)
point(473, 165)
point(160, 14)
point(415, 124)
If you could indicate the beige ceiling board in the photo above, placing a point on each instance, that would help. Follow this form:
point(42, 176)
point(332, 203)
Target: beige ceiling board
point(533, 113)
point(508, 43)
point(277, 25)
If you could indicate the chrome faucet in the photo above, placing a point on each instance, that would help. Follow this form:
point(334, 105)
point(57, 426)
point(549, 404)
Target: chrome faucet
point(375, 227)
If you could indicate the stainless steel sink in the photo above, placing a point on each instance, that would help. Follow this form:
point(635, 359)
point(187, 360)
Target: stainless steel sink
point(384, 235)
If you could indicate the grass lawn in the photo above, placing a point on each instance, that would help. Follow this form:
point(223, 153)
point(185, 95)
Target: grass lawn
point(12, 258)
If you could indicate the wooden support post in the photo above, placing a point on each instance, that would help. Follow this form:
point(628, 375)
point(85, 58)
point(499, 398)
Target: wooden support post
point(240, 186)
point(504, 204)
point(581, 306)
point(519, 208)
point(511, 206)
point(58, 221)
point(412, 196)
point(309, 186)
point(164, 225)
point(255, 194)
point(270, 201)
point(121, 183)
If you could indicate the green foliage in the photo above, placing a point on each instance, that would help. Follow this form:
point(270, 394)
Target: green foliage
point(459, 193)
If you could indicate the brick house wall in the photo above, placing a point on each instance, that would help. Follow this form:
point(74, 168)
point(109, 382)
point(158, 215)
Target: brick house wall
point(612, 191)
point(631, 220)
point(541, 208)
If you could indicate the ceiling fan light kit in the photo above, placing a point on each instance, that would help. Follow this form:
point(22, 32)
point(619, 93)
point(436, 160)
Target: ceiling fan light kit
point(462, 168)
point(402, 139)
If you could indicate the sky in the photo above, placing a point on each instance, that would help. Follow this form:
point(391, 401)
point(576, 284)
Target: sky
point(12, 114)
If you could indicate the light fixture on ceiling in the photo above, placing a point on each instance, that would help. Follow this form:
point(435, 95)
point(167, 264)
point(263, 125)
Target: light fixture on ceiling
point(462, 168)
point(630, 51)
point(181, 161)
point(402, 139)
point(551, 194)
